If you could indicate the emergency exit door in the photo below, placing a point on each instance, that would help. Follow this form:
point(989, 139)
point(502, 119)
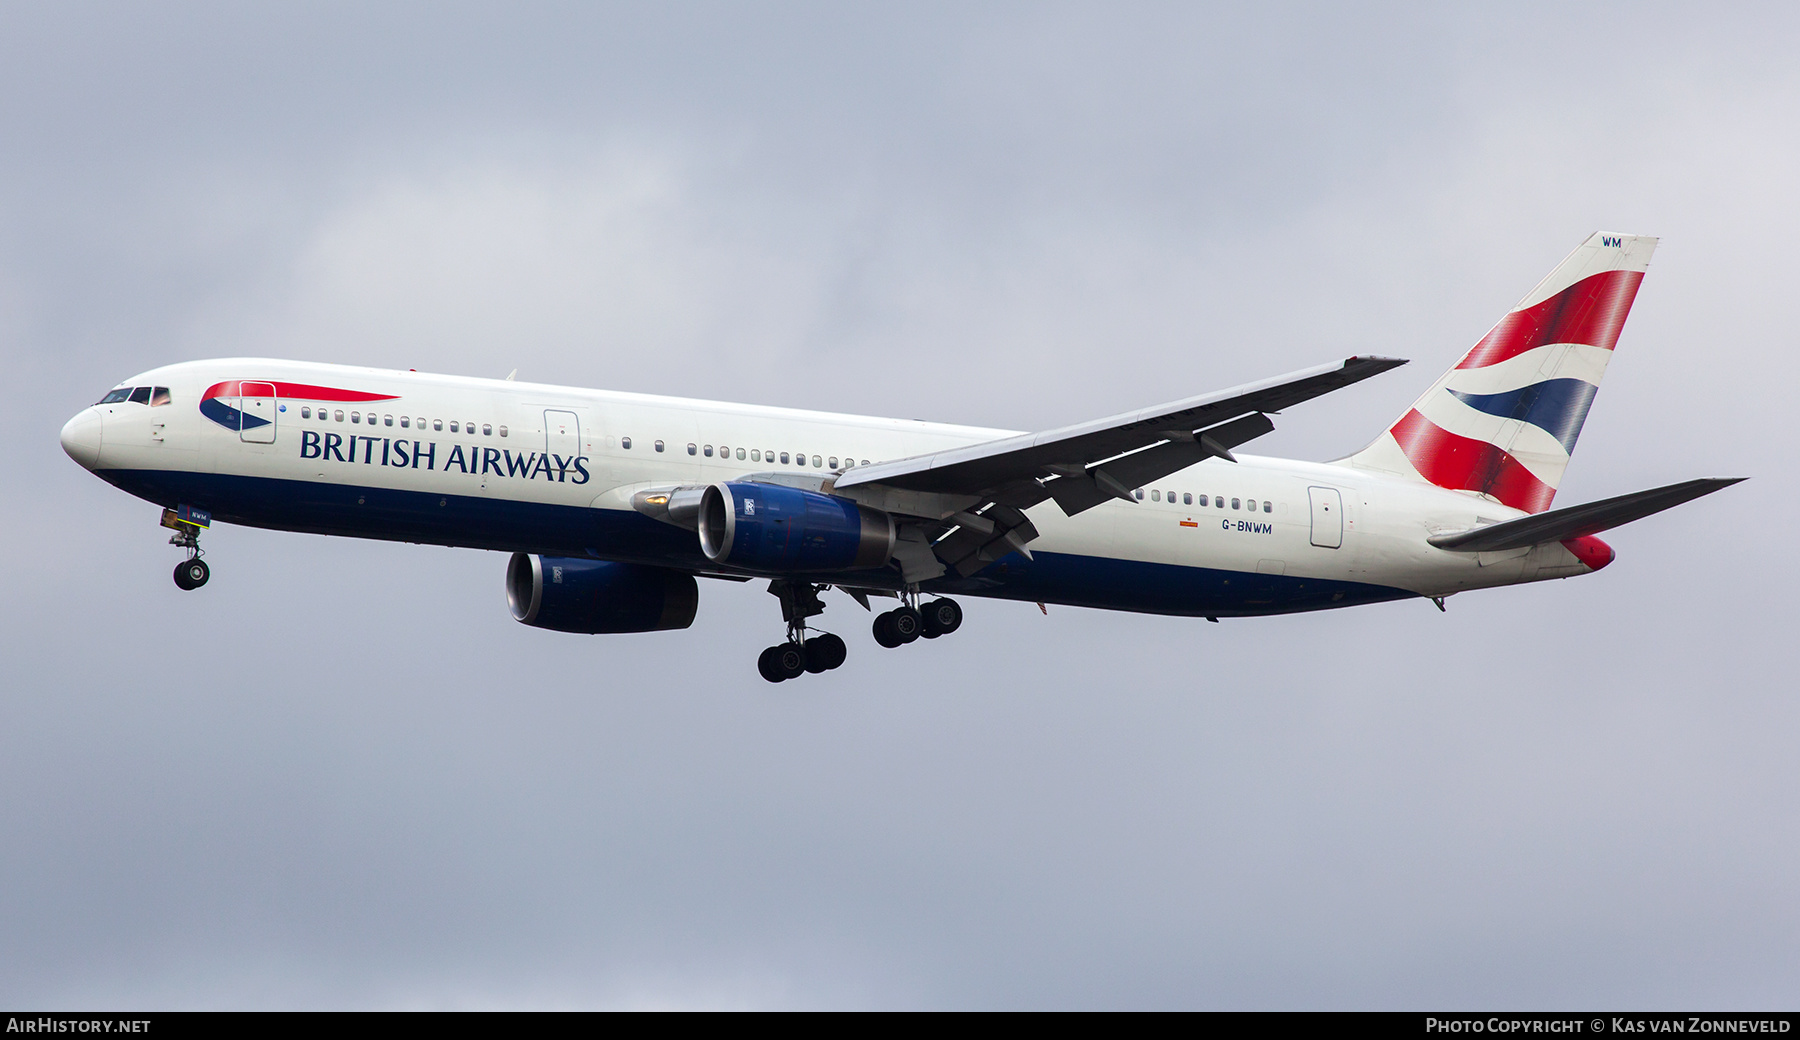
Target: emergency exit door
point(1327, 517)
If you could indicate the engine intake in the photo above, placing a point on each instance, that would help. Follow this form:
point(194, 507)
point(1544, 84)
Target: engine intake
point(769, 527)
point(595, 596)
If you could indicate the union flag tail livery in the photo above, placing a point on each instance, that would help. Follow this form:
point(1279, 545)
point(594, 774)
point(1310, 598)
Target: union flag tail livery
point(614, 504)
point(1503, 422)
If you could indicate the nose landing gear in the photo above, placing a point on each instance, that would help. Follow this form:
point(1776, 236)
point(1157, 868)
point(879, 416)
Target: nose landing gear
point(799, 655)
point(187, 523)
point(192, 573)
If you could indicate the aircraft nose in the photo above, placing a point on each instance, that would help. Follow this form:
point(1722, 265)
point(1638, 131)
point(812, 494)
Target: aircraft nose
point(81, 437)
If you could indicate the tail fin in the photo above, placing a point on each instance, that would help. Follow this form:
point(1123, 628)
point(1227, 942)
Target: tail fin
point(1503, 422)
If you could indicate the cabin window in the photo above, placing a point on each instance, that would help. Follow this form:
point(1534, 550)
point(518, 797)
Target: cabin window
point(1266, 508)
point(833, 461)
point(405, 421)
point(709, 451)
point(455, 427)
point(356, 417)
point(337, 415)
point(740, 454)
point(784, 458)
point(692, 449)
point(1234, 503)
point(387, 420)
point(865, 462)
point(116, 396)
point(305, 412)
point(659, 444)
point(502, 431)
point(470, 427)
point(437, 424)
point(1138, 494)
point(755, 454)
point(1187, 499)
point(160, 396)
point(625, 442)
point(1156, 496)
point(817, 462)
point(487, 430)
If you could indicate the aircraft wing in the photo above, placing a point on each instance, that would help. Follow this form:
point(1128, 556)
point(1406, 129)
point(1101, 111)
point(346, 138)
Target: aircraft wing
point(1575, 521)
point(1083, 465)
point(1131, 449)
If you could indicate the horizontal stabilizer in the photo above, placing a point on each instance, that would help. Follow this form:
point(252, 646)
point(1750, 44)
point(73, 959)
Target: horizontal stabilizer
point(1575, 521)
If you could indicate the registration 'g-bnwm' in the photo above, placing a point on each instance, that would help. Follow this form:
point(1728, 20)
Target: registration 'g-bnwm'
point(612, 504)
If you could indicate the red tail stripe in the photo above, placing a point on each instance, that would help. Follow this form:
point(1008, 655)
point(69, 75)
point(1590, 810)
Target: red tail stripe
point(303, 391)
point(1461, 463)
point(1592, 552)
point(1591, 311)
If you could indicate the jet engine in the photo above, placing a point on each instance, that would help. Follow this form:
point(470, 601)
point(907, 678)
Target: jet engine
point(771, 527)
point(594, 596)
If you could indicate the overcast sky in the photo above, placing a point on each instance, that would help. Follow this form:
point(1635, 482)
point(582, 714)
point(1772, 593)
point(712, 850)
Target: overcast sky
point(341, 776)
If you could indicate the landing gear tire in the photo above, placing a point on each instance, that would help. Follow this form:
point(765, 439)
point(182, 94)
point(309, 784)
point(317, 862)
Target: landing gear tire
point(790, 660)
point(942, 617)
point(766, 667)
point(898, 627)
point(782, 662)
point(191, 574)
point(823, 653)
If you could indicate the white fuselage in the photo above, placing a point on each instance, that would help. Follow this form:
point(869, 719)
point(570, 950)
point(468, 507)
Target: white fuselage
point(552, 469)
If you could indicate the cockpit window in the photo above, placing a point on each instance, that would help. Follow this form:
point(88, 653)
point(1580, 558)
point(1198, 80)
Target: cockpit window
point(160, 396)
point(122, 394)
point(141, 394)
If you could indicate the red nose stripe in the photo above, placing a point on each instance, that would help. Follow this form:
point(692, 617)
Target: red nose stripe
point(302, 391)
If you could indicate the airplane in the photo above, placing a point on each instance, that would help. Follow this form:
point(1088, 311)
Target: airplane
point(612, 504)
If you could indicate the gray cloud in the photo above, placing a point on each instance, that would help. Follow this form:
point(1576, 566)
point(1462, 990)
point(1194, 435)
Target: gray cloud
point(342, 777)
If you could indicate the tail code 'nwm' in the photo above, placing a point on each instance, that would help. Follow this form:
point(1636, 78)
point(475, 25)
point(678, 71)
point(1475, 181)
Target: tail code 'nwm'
point(1503, 422)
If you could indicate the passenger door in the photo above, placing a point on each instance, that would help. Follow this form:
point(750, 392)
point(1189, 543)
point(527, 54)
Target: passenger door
point(258, 406)
point(562, 433)
point(1327, 517)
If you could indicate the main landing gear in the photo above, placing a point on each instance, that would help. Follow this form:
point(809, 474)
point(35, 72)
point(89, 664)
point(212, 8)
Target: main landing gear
point(192, 572)
point(902, 625)
point(799, 655)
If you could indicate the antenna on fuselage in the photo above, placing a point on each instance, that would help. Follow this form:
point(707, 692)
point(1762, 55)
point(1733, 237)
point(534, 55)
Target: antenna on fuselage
point(509, 375)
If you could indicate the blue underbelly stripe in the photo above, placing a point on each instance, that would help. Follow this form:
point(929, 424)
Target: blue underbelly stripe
point(502, 525)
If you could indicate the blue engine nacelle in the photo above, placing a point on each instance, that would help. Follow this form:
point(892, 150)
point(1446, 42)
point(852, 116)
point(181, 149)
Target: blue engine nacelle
point(769, 527)
point(594, 596)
